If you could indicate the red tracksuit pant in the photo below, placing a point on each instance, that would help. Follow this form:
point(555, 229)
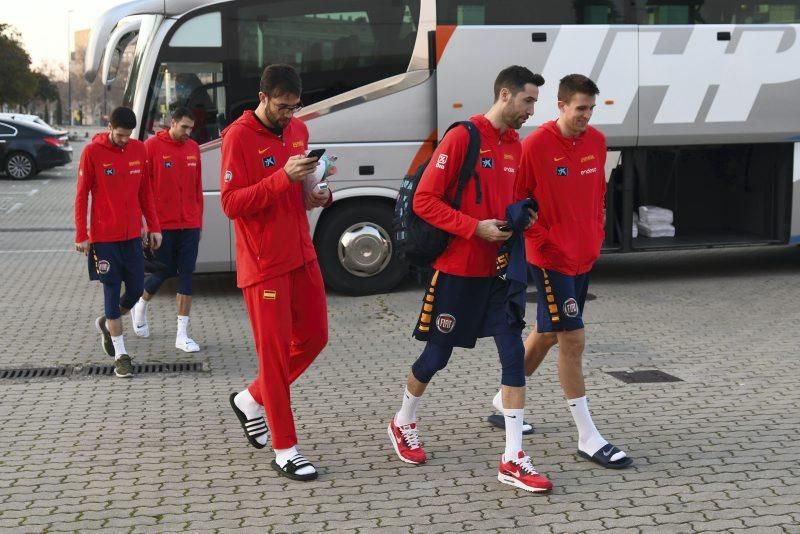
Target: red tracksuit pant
point(289, 318)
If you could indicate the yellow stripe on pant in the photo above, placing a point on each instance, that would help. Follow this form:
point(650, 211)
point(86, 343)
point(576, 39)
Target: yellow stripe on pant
point(424, 323)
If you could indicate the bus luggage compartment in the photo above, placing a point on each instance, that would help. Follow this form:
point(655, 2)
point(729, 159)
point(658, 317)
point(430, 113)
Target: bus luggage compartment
point(721, 195)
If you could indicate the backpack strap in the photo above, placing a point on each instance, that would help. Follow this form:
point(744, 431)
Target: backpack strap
point(470, 160)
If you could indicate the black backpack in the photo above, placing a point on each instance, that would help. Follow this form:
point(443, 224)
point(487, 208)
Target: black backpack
point(418, 242)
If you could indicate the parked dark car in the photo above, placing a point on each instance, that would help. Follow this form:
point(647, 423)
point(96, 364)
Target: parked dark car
point(27, 148)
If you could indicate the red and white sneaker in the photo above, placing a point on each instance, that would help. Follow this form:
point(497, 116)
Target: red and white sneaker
point(405, 440)
point(520, 473)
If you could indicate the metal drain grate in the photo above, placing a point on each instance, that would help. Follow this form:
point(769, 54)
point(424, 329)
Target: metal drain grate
point(644, 377)
point(41, 372)
point(146, 368)
point(100, 370)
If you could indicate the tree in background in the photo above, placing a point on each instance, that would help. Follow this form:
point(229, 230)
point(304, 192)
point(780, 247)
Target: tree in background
point(46, 92)
point(17, 83)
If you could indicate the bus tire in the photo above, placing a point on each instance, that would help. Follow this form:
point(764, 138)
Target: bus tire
point(355, 248)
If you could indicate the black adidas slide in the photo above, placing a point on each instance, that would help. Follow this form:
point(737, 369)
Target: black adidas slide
point(500, 422)
point(604, 455)
point(292, 466)
point(253, 428)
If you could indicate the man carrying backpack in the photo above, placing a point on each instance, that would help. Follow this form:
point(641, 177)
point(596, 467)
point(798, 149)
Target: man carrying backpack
point(466, 299)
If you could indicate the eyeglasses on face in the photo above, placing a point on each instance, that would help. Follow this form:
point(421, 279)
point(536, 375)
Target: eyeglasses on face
point(286, 108)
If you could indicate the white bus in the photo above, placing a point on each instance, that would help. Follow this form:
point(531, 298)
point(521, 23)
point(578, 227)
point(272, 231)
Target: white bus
point(699, 101)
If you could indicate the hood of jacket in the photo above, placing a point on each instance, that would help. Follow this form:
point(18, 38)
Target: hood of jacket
point(164, 135)
point(552, 128)
point(249, 120)
point(487, 130)
point(104, 140)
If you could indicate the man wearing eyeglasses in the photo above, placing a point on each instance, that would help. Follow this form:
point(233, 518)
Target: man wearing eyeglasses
point(262, 174)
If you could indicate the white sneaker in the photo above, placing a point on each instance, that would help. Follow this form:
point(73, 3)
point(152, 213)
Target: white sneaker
point(186, 344)
point(139, 319)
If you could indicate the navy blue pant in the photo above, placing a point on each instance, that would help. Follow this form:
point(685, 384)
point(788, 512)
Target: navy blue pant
point(178, 251)
point(115, 263)
point(456, 311)
point(561, 298)
point(434, 358)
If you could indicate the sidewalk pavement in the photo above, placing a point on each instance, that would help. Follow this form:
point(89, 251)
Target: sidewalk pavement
point(716, 451)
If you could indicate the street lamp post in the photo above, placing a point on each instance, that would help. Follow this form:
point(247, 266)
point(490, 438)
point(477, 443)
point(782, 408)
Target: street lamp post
point(69, 68)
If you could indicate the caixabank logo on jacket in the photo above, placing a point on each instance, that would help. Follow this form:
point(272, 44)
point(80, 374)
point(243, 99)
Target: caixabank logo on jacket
point(268, 161)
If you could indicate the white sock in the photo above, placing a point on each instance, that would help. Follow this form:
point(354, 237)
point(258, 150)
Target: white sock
point(251, 409)
point(513, 419)
point(284, 455)
point(589, 439)
point(119, 346)
point(183, 326)
point(408, 411)
point(497, 401)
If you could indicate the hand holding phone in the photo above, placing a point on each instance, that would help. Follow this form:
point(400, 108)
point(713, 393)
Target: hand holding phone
point(321, 186)
point(505, 227)
point(316, 153)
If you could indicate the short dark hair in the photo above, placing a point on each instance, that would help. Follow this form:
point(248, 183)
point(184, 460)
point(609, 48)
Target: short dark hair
point(180, 112)
point(280, 79)
point(123, 117)
point(576, 83)
point(514, 78)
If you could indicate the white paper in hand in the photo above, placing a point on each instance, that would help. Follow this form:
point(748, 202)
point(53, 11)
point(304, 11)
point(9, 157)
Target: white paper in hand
point(322, 172)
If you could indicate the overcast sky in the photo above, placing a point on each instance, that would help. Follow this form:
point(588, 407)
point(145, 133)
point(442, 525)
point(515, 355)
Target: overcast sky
point(43, 23)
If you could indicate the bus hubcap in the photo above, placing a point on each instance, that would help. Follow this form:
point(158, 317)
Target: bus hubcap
point(365, 249)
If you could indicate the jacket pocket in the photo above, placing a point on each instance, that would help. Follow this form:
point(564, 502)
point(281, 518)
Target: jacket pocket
point(577, 241)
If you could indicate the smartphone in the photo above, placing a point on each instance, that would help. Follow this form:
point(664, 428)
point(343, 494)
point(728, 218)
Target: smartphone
point(321, 186)
point(505, 227)
point(316, 153)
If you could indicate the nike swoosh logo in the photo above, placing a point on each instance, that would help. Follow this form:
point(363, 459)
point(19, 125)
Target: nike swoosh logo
point(107, 164)
point(559, 159)
point(262, 150)
point(609, 451)
point(166, 157)
point(485, 151)
point(512, 416)
point(513, 473)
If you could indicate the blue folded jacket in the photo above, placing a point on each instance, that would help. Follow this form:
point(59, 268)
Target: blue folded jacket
point(517, 269)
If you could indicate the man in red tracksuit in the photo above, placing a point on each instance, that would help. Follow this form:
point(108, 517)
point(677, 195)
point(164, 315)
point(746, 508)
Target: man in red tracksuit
point(263, 167)
point(113, 170)
point(563, 168)
point(174, 162)
point(466, 298)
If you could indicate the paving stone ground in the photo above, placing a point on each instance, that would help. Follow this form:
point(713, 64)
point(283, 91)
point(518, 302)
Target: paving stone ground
point(717, 451)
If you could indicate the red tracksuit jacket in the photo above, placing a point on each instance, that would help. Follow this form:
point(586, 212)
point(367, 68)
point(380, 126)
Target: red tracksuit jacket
point(467, 254)
point(268, 210)
point(119, 183)
point(567, 178)
point(176, 176)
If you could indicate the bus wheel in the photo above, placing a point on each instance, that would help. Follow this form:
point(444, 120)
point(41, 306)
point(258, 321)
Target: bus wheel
point(355, 249)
